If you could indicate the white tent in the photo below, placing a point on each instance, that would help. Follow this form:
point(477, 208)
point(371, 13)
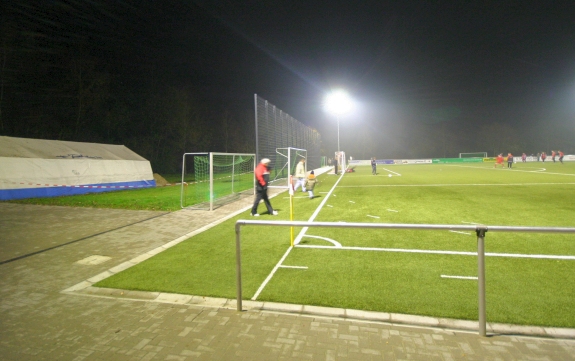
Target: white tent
point(47, 168)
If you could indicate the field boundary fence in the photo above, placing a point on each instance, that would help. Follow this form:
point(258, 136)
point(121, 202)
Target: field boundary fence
point(277, 129)
point(480, 231)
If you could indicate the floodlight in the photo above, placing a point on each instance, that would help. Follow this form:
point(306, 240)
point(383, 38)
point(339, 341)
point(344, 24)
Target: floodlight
point(338, 102)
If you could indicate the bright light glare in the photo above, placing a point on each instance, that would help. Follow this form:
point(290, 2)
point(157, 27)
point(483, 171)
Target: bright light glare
point(338, 102)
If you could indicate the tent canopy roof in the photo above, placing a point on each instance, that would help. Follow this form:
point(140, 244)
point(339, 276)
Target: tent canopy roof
point(56, 149)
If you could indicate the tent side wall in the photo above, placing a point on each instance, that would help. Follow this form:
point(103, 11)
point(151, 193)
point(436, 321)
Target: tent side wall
point(35, 177)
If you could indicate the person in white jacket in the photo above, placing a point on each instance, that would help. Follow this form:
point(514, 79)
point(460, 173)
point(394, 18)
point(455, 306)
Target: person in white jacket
point(300, 176)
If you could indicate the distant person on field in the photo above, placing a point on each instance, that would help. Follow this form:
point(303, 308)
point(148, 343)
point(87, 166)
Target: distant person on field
point(538, 157)
point(561, 154)
point(300, 176)
point(553, 155)
point(310, 184)
point(509, 160)
point(499, 160)
point(524, 157)
point(262, 181)
point(373, 166)
point(335, 165)
point(543, 157)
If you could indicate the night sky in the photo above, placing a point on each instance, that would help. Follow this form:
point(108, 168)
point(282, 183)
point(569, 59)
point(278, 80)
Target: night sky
point(431, 78)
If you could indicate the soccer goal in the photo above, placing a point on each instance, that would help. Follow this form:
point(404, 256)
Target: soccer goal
point(284, 165)
point(473, 155)
point(339, 157)
point(210, 180)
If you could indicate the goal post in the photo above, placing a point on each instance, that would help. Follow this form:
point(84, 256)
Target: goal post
point(339, 157)
point(211, 179)
point(473, 155)
point(285, 163)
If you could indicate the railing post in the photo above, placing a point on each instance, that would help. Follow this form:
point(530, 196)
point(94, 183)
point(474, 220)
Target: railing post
point(481, 279)
point(238, 269)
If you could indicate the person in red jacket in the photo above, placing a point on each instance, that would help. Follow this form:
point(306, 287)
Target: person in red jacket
point(262, 180)
point(553, 154)
point(499, 160)
point(561, 154)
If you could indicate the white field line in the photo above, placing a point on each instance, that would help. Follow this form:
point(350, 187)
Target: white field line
point(541, 170)
point(390, 171)
point(392, 210)
point(457, 185)
point(335, 243)
point(373, 216)
point(296, 241)
point(460, 277)
point(297, 267)
point(351, 202)
point(465, 233)
point(318, 209)
point(269, 277)
point(330, 206)
point(459, 253)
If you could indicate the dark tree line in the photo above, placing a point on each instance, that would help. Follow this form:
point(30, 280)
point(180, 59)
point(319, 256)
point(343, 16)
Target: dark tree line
point(60, 80)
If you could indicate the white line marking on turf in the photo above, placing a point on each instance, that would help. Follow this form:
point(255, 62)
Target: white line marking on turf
point(298, 267)
point(351, 202)
point(263, 285)
point(335, 243)
point(514, 170)
point(318, 209)
point(296, 241)
point(465, 233)
point(372, 216)
point(460, 253)
point(460, 277)
point(330, 206)
point(457, 185)
point(390, 171)
point(392, 210)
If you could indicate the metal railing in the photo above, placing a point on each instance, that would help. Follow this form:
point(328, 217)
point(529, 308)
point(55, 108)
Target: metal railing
point(480, 230)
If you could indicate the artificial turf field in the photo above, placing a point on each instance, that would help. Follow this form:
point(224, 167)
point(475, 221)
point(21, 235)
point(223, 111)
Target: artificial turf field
point(530, 277)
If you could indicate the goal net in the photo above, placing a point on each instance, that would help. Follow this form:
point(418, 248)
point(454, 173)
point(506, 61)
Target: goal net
point(210, 180)
point(286, 160)
point(473, 155)
point(339, 157)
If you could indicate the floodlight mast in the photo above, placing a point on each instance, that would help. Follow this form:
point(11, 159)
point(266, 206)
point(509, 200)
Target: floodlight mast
point(338, 103)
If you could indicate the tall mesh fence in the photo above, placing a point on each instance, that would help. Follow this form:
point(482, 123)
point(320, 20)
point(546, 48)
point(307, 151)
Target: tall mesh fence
point(277, 129)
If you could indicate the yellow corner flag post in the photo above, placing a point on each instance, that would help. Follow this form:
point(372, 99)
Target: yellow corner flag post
point(290, 185)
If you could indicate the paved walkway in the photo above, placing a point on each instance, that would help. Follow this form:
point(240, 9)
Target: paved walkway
point(49, 311)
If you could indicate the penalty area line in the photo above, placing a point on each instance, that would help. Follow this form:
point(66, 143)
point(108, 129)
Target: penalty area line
point(461, 277)
point(439, 252)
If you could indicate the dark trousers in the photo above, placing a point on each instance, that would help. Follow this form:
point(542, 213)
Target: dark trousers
point(262, 194)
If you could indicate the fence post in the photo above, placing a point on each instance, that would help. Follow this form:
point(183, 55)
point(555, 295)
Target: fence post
point(238, 268)
point(481, 279)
